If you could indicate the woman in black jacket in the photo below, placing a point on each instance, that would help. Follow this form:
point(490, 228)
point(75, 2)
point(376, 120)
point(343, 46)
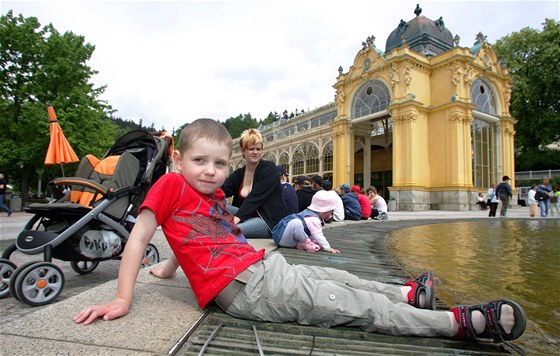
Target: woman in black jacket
point(258, 202)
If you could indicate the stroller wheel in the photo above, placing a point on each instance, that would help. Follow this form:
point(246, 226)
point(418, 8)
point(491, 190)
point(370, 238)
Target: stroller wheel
point(39, 284)
point(7, 269)
point(151, 256)
point(84, 267)
point(18, 270)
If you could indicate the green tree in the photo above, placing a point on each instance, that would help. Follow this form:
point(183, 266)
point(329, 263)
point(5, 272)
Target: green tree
point(533, 57)
point(236, 125)
point(272, 117)
point(38, 67)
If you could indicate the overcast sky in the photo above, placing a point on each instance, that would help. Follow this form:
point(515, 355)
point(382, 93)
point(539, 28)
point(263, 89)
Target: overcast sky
point(171, 62)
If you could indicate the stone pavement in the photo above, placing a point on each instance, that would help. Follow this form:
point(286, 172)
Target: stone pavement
point(162, 313)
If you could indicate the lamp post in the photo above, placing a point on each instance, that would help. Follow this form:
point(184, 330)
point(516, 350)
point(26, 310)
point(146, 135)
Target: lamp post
point(40, 173)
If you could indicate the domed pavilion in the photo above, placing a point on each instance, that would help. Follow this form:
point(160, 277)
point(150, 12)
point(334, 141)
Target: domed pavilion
point(426, 121)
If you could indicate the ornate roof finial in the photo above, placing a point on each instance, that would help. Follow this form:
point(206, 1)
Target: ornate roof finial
point(480, 38)
point(340, 70)
point(418, 10)
point(456, 39)
point(369, 42)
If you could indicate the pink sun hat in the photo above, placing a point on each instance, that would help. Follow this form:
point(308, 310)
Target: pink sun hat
point(322, 201)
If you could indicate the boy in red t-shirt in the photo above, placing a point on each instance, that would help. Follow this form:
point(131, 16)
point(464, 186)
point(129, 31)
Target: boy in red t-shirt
point(221, 266)
point(364, 202)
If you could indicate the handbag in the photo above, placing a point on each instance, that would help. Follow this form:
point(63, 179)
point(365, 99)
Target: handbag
point(541, 195)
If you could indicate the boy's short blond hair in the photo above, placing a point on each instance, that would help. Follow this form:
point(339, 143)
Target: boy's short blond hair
point(207, 129)
point(250, 137)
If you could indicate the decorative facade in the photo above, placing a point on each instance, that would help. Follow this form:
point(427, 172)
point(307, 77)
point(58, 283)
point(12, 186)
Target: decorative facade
point(427, 122)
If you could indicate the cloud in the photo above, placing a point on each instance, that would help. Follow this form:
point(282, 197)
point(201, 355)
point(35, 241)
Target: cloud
point(172, 62)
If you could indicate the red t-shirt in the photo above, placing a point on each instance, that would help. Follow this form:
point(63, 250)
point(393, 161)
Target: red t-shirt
point(210, 249)
point(365, 204)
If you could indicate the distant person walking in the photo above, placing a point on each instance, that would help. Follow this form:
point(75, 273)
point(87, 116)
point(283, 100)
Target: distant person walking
point(554, 201)
point(504, 193)
point(544, 191)
point(492, 200)
point(532, 202)
point(3, 186)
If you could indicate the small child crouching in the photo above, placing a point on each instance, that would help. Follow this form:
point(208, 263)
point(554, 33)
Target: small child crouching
point(304, 230)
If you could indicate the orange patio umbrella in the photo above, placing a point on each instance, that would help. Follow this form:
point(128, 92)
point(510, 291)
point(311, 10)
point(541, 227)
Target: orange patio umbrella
point(59, 151)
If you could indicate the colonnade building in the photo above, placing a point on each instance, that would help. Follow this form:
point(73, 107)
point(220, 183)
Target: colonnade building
point(427, 122)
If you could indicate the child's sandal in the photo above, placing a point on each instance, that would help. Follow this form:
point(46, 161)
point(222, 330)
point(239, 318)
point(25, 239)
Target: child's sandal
point(422, 284)
point(492, 313)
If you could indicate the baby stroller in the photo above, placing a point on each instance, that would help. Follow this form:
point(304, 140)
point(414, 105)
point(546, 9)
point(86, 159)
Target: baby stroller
point(91, 222)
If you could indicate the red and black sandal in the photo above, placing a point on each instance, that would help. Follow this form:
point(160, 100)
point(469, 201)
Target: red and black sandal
point(422, 284)
point(492, 312)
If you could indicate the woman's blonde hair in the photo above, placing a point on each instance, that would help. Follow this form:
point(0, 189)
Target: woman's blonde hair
point(250, 137)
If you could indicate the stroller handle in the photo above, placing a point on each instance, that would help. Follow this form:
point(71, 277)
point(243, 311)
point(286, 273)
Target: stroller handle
point(101, 189)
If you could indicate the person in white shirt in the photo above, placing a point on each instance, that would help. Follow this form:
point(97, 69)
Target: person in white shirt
point(492, 200)
point(338, 213)
point(378, 204)
point(532, 202)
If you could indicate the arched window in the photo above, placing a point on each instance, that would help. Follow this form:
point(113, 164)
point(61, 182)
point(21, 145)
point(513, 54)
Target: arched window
point(328, 158)
point(298, 163)
point(284, 162)
point(269, 157)
point(311, 158)
point(372, 97)
point(483, 97)
point(484, 136)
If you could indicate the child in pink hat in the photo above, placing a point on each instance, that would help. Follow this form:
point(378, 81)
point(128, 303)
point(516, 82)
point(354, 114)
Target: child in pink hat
point(304, 230)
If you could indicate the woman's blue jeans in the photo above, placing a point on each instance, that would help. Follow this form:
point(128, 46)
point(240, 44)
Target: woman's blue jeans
point(253, 227)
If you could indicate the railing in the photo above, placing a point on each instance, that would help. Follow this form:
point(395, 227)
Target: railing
point(536, 174)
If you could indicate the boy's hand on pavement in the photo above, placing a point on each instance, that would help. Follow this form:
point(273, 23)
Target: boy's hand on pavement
point(110, 311)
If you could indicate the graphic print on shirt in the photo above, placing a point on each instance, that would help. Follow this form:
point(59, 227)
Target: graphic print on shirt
point(218, 226)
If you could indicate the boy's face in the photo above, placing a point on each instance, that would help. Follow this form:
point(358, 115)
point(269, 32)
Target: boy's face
point(204, 165)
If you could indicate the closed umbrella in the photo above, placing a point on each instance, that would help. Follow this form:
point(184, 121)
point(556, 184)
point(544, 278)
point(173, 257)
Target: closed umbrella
point(59, 151)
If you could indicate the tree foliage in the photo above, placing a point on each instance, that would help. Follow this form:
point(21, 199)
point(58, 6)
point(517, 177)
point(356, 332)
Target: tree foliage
point(40, 67)
point(124, 126)
point(236, 125)
point(533, 58)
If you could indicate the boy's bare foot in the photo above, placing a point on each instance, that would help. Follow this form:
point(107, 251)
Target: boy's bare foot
point(164, 270)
